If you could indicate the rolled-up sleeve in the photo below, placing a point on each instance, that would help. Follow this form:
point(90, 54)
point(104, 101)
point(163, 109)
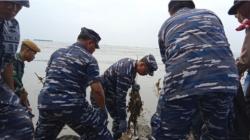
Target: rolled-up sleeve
point(93, 71)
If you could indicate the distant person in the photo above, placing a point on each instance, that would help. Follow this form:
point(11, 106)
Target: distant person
point(27, 53)
point(116, 81)
point(62, 99)
point(201, 75)
point(14, 122)
point(241, 10)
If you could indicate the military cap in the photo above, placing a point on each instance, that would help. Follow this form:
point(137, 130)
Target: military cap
point(91, 34)
point(31, 45)
point(151, 63)
point(236, 5)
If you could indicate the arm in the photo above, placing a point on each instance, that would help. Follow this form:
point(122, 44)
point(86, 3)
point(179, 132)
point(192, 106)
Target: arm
point(244, 61)
point(122, 85)
point(7, 76)
point(162, 50)
point(95, 84)
point(98, 94)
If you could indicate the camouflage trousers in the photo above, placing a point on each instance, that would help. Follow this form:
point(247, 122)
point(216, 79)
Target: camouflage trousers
point(111, 107)
point(112, 110)
point(88, 122)
point(15, 123)
point(173, 119)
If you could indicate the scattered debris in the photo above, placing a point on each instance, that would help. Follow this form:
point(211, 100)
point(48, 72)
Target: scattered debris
point(40, 78)
point(158, 88)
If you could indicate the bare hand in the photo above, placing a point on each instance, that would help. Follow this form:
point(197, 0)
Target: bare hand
point(24, 98)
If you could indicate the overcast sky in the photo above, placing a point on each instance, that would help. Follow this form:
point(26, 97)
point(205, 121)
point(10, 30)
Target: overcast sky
point(119, 22)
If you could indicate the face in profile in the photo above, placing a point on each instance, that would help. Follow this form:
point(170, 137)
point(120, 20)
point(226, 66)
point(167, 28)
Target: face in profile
point(239, 17)
point(243, 11)
point(8, 10)
point(29, 55)
point(91, 45)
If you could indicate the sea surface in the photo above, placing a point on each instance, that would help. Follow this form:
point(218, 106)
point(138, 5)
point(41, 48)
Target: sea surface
point(105, 56)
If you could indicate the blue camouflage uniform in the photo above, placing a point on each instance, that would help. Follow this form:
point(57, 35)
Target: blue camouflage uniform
point(200, 76)
point(62, 98)
point(116, 80)
point(14, 120)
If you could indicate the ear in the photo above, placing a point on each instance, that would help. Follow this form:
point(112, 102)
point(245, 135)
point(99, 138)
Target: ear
point(141, 63)
point(88, 42)
point(144, 64)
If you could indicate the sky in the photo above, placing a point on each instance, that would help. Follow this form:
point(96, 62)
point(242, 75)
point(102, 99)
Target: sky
point(119, 22)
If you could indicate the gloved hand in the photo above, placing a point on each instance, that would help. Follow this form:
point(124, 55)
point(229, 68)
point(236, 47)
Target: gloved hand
point(123, 126)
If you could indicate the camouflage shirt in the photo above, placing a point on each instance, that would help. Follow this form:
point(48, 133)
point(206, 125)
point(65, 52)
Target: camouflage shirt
point(196, 55)
point(18, 66)
point(69, 72)
point(9, 40)
point(119, 78)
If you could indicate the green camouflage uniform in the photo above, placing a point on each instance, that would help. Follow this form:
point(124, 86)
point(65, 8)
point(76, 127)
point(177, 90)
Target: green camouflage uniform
point(18, 74)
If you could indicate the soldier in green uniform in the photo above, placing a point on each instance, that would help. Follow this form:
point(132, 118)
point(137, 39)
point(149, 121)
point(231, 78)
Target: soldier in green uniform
point(27, 53)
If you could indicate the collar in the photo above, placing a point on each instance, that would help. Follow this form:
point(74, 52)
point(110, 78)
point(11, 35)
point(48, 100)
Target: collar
point(18, 57)
point(77, 44)
point(184, 9)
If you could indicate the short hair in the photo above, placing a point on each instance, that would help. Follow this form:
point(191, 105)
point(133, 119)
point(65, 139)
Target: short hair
point(175, 5)
point(83, 37)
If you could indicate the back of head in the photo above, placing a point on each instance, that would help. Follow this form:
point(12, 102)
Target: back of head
point(89, 34)
point(175, 5)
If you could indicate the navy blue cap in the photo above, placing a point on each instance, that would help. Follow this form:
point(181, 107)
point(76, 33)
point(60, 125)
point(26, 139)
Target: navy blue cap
point(236, 5)
point(91, 34)
point(151, 63)
point(21, 2)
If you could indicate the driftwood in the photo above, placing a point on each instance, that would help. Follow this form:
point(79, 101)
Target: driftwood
point(41, 79)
